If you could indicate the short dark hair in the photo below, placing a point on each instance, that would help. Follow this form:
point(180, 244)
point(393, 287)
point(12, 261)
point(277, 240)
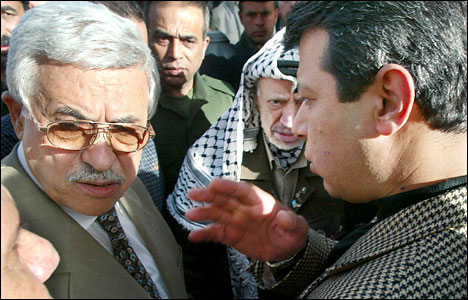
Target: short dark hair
point(125, 9)
point(200, 4)
point(240, 4)
point(25, 5)
point(428, 38)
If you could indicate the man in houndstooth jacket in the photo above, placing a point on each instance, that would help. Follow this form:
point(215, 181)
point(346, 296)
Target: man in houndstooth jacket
point(383, 86)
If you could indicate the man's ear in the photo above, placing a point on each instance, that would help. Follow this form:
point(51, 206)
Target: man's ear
point(240, 17)
point(15, 108)
point(396, 89)
point(206, 42)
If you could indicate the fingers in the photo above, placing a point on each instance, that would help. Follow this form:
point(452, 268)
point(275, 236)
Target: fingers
point(242, 192)
point(293, 223)
point(211, 213)
point(233, 188)
point(290, 221)
point(211, 233)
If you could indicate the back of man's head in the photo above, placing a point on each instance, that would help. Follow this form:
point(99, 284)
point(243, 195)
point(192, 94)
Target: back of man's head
point(428, 38)
point(83, 34)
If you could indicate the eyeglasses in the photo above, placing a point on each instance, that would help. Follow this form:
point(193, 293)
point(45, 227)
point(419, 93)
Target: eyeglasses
point(80, 135)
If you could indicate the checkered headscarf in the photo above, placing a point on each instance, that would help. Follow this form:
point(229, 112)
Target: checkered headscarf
point(217, 153)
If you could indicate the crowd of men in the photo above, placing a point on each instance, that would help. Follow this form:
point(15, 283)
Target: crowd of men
point(320, 155)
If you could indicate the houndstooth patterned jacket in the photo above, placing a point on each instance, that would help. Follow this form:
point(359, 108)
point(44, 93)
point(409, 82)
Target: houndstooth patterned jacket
point(420, 252)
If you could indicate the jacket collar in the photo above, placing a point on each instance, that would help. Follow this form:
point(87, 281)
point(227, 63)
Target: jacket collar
point(448, 210)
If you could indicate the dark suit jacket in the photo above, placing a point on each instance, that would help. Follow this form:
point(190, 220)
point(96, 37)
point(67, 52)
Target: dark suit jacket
point(86, 269)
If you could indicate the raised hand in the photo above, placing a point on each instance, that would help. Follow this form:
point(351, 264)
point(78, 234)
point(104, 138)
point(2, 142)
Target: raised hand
point(248, 219)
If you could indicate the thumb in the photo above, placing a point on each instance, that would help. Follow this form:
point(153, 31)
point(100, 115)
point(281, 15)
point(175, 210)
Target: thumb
point(289, 221)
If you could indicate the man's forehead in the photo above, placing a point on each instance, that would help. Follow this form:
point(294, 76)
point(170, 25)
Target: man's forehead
point(274, 82)
point(17, 6)
point(117, 94)
point(257, 6)
point(179, 22)
point(271, 87)
point(175, 8)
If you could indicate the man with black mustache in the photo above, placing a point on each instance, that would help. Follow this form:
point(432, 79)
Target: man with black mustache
point(190, 102)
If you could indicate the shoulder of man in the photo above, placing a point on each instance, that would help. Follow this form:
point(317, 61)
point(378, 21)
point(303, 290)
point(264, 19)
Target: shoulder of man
point(217, 85)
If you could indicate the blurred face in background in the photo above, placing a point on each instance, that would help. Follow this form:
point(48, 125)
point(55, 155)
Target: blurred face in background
point(11, 13)
point(285, 8)
point(277, 108)
point(176, 38)
point(259, 19)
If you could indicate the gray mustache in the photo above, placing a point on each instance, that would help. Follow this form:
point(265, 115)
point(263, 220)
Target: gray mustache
point(89, 174)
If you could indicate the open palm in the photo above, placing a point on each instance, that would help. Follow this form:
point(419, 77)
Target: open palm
point(248, 219)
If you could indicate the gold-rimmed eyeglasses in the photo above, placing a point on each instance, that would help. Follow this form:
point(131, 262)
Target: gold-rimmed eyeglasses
point(80, 135)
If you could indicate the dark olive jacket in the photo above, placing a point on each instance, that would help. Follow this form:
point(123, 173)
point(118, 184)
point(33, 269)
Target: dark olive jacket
point(177, 129)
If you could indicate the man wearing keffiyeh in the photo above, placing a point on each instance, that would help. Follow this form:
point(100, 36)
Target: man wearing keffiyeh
point(252, 142)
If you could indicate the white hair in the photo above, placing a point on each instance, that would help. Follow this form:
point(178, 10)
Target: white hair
point(82, 34)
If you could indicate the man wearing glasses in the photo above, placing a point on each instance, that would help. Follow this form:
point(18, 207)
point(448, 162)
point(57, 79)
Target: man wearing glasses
point(80, 105)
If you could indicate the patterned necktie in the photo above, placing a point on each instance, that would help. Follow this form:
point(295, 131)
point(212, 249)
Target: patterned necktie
point(125, 254)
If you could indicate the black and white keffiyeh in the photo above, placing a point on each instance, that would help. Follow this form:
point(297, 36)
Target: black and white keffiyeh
point(218, 153)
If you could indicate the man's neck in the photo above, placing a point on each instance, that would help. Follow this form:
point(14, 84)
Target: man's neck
point(178, 91)
point(441, 156)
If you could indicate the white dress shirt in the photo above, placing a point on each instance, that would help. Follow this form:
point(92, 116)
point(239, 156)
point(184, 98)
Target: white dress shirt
point(90, 224)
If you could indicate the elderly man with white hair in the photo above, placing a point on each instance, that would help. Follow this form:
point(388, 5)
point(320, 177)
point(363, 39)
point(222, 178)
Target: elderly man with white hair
point(82, 88)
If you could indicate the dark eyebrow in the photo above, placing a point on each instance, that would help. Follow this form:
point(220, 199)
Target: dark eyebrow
point(188, 37)
point(162, 33)
point(125, 120)
point(7, 7)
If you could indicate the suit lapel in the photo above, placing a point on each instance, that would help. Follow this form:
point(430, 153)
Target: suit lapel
point(86, 269)
point(157, 237)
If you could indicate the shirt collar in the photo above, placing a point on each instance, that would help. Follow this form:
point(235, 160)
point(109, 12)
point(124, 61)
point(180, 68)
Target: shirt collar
point(85, 221)
point(24, 164)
